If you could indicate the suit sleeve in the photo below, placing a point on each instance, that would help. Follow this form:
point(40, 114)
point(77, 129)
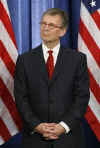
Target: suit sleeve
point(22, 97)
point(81, 94)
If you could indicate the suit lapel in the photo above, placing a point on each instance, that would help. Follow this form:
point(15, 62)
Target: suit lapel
point(58, 66)
point(43, 70)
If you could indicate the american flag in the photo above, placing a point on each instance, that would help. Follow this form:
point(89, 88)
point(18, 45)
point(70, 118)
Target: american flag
point(10, 122)
point(89, 43)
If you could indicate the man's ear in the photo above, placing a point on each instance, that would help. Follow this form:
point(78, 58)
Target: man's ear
point(63, 31)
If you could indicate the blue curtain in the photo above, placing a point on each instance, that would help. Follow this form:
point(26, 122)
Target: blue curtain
point(37, 9)
point(25, 16)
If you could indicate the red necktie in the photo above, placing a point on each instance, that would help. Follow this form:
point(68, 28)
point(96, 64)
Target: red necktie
point(50, 64)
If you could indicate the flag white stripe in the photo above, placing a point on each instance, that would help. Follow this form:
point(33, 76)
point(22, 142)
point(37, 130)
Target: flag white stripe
point(8, 43)
point(93, 67)
point(7, 119)
point(95, 106)
point(98, 11)
point(5, 6)
point(1, 140)
point(88, 21)
point(91, 23)
point(6, 77)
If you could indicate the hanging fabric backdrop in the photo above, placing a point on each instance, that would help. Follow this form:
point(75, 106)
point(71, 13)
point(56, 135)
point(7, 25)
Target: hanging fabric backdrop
point(25, 17)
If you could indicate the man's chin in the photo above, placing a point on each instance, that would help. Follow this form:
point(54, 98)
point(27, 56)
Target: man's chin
point(47, 40)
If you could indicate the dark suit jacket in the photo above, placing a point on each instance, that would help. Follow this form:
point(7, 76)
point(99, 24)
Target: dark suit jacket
point(64, 98)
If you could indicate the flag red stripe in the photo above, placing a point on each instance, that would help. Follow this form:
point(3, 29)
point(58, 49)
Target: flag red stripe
point(96, 18)
point(87, 33)
point(4, 55)
point(9, 62)
point(94, 87)
point(4, 132)
point(7, 23)
point(10, 104)
point(92, 47)
point(93, 122)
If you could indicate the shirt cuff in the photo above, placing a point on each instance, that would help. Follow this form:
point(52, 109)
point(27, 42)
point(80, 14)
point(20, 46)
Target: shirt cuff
point(65, 126)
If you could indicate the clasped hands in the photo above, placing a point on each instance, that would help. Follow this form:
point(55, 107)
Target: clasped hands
point(50, 131)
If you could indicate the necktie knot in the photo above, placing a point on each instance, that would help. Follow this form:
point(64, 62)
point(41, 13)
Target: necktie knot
point(50, 52)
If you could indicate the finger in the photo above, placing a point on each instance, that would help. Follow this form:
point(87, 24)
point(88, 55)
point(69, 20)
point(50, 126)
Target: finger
point(51, 124)
point(48, 129)
point(52, 137)
point(46, 135)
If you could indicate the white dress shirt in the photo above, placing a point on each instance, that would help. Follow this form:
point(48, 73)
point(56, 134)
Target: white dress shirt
point(55, 55)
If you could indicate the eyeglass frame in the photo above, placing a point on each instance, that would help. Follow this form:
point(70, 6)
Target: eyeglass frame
point(52, 25)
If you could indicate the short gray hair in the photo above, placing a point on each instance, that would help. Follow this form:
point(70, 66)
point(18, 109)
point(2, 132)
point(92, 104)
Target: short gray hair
point(61, 13)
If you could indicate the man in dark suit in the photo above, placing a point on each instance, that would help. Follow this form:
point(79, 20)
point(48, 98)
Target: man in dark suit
point(51, 89)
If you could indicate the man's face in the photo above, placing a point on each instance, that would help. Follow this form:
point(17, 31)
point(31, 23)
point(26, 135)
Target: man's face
point(51, 28)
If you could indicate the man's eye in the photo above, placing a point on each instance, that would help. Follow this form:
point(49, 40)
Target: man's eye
point(52, 25)
point(44, 23)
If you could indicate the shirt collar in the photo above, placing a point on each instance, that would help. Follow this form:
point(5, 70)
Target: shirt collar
point(55, 49)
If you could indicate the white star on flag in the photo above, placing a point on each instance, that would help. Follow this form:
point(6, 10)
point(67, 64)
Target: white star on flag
point(93, 3)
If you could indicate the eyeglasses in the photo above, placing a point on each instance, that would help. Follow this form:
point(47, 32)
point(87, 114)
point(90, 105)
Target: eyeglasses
point(50, 25)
